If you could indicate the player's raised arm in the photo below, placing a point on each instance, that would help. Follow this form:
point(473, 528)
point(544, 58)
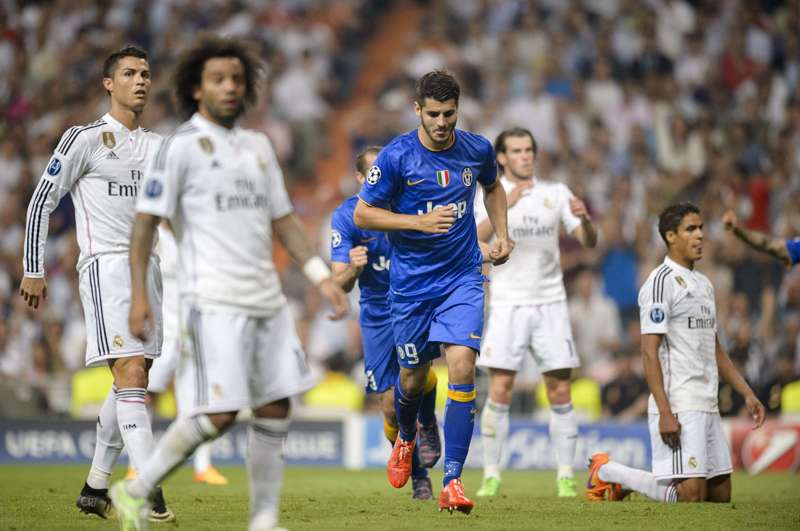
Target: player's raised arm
point(586, 232)
point(729, 373)
point(775, 247)
point(494, 199)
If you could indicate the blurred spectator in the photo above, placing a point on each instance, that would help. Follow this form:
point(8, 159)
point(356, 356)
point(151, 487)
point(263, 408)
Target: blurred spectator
point(625, 397)
point(596, 327)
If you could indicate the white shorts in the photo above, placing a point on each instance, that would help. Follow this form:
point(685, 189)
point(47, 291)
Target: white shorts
point(105, 290)
point(703, 453)
point(234, 361)
point(163, 369)
point(542, 330)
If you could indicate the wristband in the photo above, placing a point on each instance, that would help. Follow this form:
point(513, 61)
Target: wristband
point(315, 270)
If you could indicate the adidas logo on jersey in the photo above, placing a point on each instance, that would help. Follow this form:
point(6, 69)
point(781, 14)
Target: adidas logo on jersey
point(112, 156)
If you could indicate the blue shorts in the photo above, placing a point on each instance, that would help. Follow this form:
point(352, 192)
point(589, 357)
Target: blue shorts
point(380, 362)
point(421, 326)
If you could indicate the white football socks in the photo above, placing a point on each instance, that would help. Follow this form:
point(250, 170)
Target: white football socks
point(178, 443)
point(265, 438)
point(202, 457)
point(134, 425)
point(564, 437)
point(494, 433)
point(638, 480)
point(108, 443)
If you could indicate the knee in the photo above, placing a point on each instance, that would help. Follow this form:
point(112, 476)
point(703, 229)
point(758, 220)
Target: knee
point(691, 492)
point(222, 421)
point(413, 380)
point(461, 371)
point(274, 410)
point(131, 375)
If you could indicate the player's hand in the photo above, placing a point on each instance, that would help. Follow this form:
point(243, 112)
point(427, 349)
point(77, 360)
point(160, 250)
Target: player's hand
point(670, 430)
point(140, 318)
point(729, 219)
point(518, 191)
point(33, 290)
point(578, 208)
point(501, 250)
point(756, 410)
point(358, 256)
point(437, 221)
point(336, 297)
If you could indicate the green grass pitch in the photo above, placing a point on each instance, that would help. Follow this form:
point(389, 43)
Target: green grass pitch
point(42, 497)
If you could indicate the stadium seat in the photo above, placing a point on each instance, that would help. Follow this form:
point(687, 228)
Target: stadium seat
point(586, 398)
point(336, 390)
point(89, 390)
point(790, 400)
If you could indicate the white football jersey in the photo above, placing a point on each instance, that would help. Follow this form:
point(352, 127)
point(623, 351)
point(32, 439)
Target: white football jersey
point(101, 165)
point(533, 273)
point(221, 189)
point(678, 303)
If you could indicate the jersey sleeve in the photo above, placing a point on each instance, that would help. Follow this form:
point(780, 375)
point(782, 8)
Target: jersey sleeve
point(570, 220)
point(280, 205)
point(655, 300)
point(341, 235)
point(163, 180)
point(488, 171)
point(793, 246)
point(66, 166)
point(383, 182)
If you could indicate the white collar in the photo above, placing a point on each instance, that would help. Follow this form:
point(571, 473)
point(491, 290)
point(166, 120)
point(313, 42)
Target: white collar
point(207, 125)
point(117, 125)
point(677, 267)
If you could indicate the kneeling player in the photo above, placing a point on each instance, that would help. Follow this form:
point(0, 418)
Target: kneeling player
point(682, 361)
point(363, 255)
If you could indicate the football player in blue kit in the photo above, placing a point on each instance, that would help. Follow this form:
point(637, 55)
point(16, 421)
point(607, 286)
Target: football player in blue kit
point(786, 251)
point(364, 256)
point(421, 189)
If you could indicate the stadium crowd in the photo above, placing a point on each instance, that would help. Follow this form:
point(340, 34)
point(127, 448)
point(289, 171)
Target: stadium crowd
point(634, 104)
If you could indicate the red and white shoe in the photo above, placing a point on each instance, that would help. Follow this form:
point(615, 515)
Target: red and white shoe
point(398, 469)
point(452, 498)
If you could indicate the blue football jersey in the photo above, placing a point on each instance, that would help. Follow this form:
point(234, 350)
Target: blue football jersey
point(408, 178)
point(793, 246)
point(373, 283)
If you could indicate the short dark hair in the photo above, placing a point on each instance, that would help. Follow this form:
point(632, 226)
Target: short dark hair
point(189, 69)
point(671, 217)
point(500, 141)
point(110, 64)
point(439, 85)
point(361, 158)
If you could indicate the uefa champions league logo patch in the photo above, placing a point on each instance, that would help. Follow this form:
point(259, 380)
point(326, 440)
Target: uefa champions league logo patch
point(373, 175)
point(336, 238)
point(153, 188)
point(466, 177)
point(657, 315)
point(54, 167)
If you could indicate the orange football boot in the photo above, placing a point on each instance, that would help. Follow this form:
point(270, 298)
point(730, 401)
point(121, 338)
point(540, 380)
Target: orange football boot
point(210, 476)
point(398, 469)
point(452, 498)
point(596, 488)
